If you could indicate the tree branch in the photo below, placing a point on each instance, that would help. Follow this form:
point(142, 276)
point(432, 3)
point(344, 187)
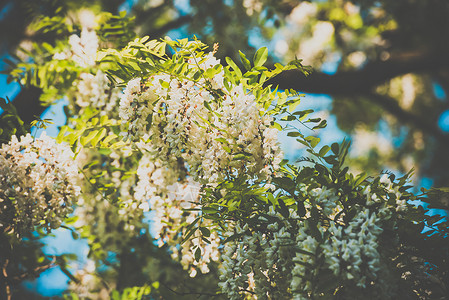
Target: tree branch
point(363, 80)
point(189, 292)
point(5, 276)
point(390, 105)
point(362, 83)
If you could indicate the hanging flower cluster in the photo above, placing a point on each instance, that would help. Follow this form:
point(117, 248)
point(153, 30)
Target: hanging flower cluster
point(300, 251)
point(194, 132)
point(94, 91)
point(259, 262)
point(215, 131)
point(84, 47)
point(91, 88)
point(172, 203)
point(114, 225)
point(37, 184)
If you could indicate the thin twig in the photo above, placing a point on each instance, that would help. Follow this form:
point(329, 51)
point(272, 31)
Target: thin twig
point(190, 293)
point(7, 286)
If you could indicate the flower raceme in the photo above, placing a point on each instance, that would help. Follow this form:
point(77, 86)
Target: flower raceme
point(214, 135)
point(287, 259)
point(37, 184)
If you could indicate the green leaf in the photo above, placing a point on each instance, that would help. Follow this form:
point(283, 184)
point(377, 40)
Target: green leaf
point(285, 183)
point(206, 105)
point(98, 137)
point(236, 69)
point(197, 254)
point(313, 226)
point(109, 138)
point(193, 224)
point(144, 39)
point(294, 134)
point(272, 199)
point(277, 126)
point(197, 75)
point(61, 134)
point(239, 156)
point(314, 120)
point(313, 140)
point(209, 210)
point(324, 150)
point(335, 148)
point(233, 237)
point(226, 148)
point(84, 140)
point(260, 57)
point(75, 235)
point(360, 178)
point(246, 63)
point(292, 106)
point(301, 210)
point(221, 140)
point(191, 232)
point(322, 124)
point(205, 231)
point(288, 118)
point(283, 209)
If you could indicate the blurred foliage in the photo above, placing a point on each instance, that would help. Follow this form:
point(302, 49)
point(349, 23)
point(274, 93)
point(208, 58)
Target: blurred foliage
point(10, 122)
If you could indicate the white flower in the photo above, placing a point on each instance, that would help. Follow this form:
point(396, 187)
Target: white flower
point(93, 91)
point(84, 47)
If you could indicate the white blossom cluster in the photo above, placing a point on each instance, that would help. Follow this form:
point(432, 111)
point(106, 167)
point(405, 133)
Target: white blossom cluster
point(350, 250)
point(324, 198)
point(187, 129)
point(84, 47)
point(259, 262)
point(401, 204)
point(303, 262)
point(296, 250)
point(112, 225)
point(91, 88)
point(93, 91)
point(215, 135)
point(168, 199)
point(37, 184)
point(136, 106)
point(354, 248)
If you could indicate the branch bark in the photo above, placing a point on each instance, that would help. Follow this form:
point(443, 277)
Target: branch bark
point(390, 105)
point(5, 277)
